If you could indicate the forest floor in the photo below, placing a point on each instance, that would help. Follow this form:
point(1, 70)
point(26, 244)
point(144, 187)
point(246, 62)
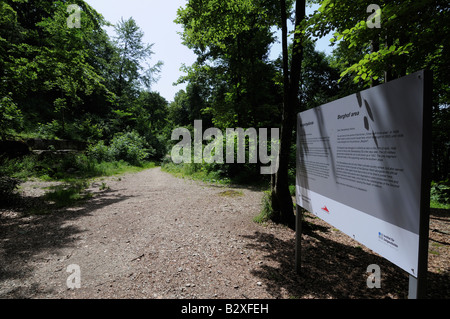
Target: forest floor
point(152, 235)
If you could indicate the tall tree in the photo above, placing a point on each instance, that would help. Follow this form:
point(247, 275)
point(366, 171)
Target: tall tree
point(45, 63)
point(236, 35)
point(130, 68)
point(133, 68)
point(282, 204)
point(232, 40)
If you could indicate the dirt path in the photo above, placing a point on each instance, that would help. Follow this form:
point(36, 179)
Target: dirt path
point(151, 235)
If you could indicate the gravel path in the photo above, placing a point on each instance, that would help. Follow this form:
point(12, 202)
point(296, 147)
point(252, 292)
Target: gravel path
point(151, 235)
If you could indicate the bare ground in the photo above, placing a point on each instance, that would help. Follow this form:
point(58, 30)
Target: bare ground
point(151, 235)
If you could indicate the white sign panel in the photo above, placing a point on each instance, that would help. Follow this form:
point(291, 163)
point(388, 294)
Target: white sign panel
point(359, 167)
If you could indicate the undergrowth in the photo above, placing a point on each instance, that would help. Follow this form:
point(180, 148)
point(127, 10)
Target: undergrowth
point(195, 172)
point(74, 171)
point(66, 168)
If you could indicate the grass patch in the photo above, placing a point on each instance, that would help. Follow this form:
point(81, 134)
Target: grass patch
point(266, 210)
point(67, 168)
point(118, 168)
point(195, 172)
point(433, 252)
point(67, 195)
point(231, 193)
point(438, 205)
point(75, 171)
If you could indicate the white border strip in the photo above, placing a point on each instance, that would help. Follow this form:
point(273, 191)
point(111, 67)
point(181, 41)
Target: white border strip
point(396, 244)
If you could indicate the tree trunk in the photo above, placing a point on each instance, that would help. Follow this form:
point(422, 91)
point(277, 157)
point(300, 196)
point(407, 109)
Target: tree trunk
point(282, 205)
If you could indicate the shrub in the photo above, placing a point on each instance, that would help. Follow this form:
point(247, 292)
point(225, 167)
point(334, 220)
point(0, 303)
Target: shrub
point(20, 168)
point(129, 147)
point(440, 192)
point(51, 130)
point(100, 152)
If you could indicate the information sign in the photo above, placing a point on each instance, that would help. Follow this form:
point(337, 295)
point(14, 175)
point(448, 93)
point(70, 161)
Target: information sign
point(361, 167)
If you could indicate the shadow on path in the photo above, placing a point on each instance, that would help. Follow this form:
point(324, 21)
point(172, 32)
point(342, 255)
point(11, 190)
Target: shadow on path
point(24, 236)
point(331, 269)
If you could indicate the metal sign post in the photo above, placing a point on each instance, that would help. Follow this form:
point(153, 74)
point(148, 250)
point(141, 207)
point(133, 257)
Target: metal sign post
point(418, 285)
point(298, 239)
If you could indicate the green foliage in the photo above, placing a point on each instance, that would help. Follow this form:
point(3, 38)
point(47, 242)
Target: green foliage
point(410, 37)
point(78, 82)
point(100, 152)
point(232, 83)
point(10, 117)
point(60, 82)
point(48, 68)
point(129, 66)
point(20, 168)
point(440, 192)
point(68, 167)
point(129, 147)
point(50, 130)
point(321, 79)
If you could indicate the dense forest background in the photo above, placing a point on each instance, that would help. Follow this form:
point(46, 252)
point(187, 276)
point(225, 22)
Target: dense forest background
point(68, 83)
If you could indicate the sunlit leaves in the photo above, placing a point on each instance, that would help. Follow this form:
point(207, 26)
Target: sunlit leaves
point(409, 32)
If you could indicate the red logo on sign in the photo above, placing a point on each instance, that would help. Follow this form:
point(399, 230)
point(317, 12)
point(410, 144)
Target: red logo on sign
point(325, 209)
